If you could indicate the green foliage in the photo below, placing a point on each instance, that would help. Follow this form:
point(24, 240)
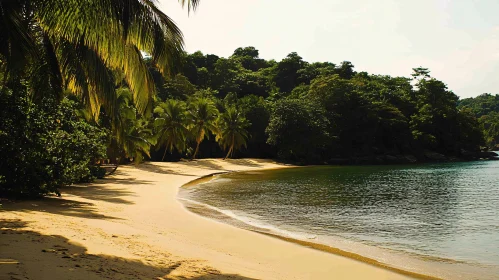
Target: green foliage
point(75, 45)
point(257, 112)
point(45, 146)
point(481, 105)
point(171, 126)
point(138, 140)
point(131, 134)
point(435, 123)
point(202, 117)
point(286, 72)
point(344, 114)
point(490, 124)
point(298, 129)
point(108, 57)
point(232, 133)
point(486, 108)
point(177, 87)
point(471, 133)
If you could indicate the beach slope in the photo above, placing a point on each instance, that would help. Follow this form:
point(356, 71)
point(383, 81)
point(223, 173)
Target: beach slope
point(131, 226)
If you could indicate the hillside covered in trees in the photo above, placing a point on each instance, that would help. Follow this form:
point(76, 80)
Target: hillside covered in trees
point(58, 127)
point(327, 113)
point(486, 109)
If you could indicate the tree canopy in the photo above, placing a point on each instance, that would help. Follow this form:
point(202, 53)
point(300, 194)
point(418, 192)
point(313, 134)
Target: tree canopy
point(240, 106)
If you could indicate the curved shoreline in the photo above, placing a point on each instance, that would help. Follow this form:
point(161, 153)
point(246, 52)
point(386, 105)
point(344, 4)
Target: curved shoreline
point(316, 246)
point(131, 225)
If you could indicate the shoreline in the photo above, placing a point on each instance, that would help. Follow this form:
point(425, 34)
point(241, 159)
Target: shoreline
point(316, 246)
point(133, 226)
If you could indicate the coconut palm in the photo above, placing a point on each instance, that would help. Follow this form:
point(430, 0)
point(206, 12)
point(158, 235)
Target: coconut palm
point(131, 137)
point(171, 125)
point(73, 44)
point(138, 140)
point(203, 115)
point(232, 133)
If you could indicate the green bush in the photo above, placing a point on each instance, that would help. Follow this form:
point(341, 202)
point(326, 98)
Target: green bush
point(44, 145)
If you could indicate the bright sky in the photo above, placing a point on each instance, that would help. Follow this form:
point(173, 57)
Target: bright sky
point(457, 39)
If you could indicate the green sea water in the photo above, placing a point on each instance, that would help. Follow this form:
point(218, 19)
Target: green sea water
point(437, 219)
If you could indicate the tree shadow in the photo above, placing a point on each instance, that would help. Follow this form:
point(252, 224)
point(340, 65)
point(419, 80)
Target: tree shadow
point(98, 192)
point(27, 254)
point(58, 206)
point(100, 189)
point(114, 180)
point(157, 167)
point(255, 163)
point(206, 164)
point(245, 162)
point(202, 163)
point(160, 167)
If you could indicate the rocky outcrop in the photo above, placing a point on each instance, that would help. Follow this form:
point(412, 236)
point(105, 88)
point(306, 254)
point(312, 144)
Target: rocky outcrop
point(479, 155)
point(487, 155)
point(374, 160)
point(433, 156)
point(426, 156)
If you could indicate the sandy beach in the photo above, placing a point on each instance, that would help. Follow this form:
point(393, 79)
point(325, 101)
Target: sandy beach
point(131, 226)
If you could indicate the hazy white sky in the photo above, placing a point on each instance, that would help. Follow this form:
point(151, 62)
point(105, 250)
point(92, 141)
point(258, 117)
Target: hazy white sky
point(457, 39)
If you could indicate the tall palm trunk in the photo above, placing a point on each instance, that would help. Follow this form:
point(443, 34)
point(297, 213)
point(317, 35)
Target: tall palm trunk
point(115, 168)
point(231, 149)
point(230, 152)
point(197, 149)
point(164, 154)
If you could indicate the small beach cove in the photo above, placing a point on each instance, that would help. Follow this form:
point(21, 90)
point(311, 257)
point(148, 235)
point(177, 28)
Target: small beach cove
point(418, 221)
point(131, 226)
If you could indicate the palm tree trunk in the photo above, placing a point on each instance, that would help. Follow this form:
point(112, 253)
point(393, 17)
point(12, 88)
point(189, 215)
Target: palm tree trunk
point(6, 75)
point(164, 154)
point(228, 154)
point(196, 151)
point(230, 151)
point(114, 170)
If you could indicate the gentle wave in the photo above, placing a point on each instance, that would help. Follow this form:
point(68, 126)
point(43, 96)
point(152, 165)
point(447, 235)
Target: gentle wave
point(238, 187)
point(252, 223)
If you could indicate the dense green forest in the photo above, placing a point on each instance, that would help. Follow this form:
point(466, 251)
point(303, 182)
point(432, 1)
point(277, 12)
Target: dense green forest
point(486, 109)
point(81, 89)
point(327, 113)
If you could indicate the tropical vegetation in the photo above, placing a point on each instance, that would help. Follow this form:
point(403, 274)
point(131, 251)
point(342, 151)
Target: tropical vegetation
point(75, 87)
point(113, 85)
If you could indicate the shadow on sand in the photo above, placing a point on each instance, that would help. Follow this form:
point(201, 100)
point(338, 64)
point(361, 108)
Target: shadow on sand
point(162, 168)
point(58, 206)
point(26, 254)
point(101, 190)
point(207, 164)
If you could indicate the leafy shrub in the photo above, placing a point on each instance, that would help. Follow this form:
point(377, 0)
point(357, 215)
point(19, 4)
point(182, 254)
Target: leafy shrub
point(44, 146)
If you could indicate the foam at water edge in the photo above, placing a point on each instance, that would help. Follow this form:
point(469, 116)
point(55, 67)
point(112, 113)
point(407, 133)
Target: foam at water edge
point(252, 222)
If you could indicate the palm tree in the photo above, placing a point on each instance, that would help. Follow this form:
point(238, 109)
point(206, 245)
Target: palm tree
point(138, 140)
point(131, 137)
point(170, 126)
point(232, 132)
point(73, 44)
point(203, 115)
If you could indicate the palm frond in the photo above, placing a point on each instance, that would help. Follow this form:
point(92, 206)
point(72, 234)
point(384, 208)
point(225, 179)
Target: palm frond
point(191, 4)
point(117, 31)
point(86, 75)
point(138, 78)
point(16, 39)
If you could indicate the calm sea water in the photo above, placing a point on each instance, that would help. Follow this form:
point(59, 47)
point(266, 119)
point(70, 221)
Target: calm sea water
point(438, 219)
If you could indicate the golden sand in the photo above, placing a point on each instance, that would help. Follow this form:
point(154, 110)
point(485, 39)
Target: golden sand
point(131, 226)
